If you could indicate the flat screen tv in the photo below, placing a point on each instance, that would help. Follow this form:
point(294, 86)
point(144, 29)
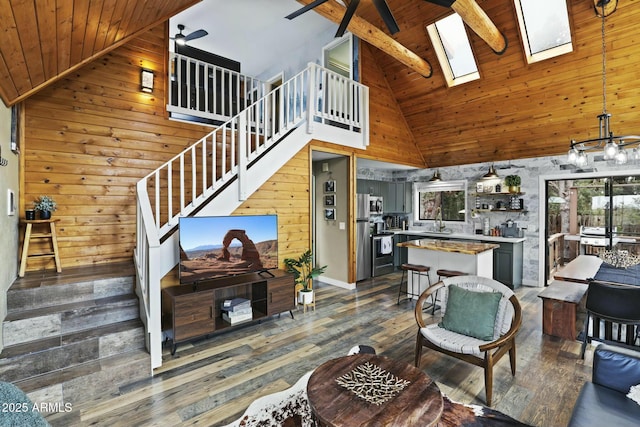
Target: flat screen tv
point(217, 246)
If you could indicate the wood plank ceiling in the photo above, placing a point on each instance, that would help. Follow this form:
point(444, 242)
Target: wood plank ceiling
point(45, 40)
point(516, 110)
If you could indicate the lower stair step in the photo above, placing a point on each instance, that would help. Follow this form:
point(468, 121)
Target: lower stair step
point(23, 361)
point(42, 323)
point(89, 381)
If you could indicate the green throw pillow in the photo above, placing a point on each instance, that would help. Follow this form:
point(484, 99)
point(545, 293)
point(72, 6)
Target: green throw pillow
point(471, 313)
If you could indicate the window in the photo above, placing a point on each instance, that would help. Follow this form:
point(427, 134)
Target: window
point(450, 41)
point(544, 26)
point(446, 198)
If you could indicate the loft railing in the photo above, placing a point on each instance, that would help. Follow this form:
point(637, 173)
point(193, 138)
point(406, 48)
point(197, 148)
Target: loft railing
point(200, 89)
point(192, 178)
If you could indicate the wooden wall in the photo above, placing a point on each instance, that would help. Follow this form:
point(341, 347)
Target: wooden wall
point(90, 137)
point(516, 110)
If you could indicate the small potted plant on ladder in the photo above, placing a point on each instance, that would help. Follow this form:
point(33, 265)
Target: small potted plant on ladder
point(304, 272)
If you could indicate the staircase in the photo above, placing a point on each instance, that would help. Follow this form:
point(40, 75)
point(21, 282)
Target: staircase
point(216, 174)
point(75, 339)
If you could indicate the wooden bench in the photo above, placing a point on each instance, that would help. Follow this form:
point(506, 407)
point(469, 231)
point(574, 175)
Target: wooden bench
point(560, 308)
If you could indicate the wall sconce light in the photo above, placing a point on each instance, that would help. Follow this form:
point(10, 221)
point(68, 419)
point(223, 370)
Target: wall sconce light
point(146, 80)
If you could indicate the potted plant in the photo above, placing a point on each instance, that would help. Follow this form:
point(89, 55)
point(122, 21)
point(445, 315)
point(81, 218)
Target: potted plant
point(513, 182)
point(45, 205)
point(304, 272)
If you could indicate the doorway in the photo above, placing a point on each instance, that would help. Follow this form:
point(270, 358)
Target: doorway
point(341, 56)
point(588, 215)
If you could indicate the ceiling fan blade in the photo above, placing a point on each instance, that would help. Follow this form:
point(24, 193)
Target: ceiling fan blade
point(305, 9)
point(195, 35)
point(387, 16)
point(347, 17)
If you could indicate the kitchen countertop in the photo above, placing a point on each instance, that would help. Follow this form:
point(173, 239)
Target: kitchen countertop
point(469, 248)
point(459, 236)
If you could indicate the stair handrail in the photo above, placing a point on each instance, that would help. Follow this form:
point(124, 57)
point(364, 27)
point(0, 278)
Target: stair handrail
point(314, 95)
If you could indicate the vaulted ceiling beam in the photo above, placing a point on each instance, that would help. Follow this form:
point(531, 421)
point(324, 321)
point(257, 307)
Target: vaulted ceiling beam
point(334, 12)
point(478, 21)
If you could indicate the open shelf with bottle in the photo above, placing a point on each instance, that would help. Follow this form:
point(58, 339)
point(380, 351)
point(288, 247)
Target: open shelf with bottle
point(498, 202)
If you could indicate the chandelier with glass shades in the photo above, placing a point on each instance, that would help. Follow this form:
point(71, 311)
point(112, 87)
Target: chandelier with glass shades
point(613, 147)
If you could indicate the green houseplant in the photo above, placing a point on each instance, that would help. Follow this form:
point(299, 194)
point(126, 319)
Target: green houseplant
point(304, 271)
point(45, 205)
point(513, 182)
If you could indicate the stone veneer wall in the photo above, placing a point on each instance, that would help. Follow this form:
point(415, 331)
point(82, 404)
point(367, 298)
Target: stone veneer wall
point(530, 171)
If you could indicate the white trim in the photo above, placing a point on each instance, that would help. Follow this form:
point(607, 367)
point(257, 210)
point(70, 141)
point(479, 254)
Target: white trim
point(338, 283)
point(545, 54)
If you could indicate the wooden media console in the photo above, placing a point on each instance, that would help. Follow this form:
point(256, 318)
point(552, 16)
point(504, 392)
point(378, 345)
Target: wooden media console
point(195, 310)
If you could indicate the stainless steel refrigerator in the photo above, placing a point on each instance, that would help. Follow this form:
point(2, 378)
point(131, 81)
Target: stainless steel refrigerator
point(363, 238)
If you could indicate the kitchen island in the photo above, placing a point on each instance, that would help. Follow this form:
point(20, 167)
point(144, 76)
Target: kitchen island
point(507, 258)
point(475, 258)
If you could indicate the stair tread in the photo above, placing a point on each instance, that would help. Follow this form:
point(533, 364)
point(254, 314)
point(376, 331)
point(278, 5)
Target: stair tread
point(45, 344)
point(73, 372)
point(71, 275)
point(59, 308)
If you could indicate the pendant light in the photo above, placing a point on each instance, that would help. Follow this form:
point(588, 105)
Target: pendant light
point(436, 177)
point(612, 147)
point(491, 174)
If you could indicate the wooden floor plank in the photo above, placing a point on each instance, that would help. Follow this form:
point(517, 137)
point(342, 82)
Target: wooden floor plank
point(212, 381)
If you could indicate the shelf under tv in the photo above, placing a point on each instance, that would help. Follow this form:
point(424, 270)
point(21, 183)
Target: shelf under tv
point(195, 309)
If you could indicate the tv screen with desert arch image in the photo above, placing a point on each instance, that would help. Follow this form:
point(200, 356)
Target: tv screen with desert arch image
point(218, 246)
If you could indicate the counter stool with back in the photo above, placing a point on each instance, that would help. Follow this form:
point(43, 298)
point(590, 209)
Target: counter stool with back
point(416, 270)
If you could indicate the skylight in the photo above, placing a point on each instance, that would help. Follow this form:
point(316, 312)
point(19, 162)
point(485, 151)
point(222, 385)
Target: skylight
point(544, 26)
point(450, 41)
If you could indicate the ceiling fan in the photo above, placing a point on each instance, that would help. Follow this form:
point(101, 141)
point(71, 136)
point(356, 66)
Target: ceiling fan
point(381, 5)
point(181, 39)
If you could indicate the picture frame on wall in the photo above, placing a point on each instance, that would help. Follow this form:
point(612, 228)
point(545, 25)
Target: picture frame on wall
point(330, 186)
point(330, 214)
point(330, 200)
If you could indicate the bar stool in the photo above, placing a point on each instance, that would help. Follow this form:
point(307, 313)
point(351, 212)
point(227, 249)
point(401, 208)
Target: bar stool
point(29, 235)
point(415, 270)
point(449, 273)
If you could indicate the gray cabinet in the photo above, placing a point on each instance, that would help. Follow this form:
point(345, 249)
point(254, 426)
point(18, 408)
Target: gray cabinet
point(507, 264)
point(399, 196)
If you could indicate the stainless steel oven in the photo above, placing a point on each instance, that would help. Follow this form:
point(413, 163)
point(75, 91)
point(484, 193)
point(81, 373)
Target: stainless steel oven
point(382, 250)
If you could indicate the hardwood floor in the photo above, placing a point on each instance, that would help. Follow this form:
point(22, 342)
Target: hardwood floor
point(210, 382)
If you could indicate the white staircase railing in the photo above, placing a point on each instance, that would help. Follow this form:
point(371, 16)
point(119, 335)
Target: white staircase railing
point(191, 179)
point(200, 89)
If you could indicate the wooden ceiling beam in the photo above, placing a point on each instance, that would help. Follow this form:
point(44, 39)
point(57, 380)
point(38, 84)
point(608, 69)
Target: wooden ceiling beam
point(478, 21)
point(334, 12)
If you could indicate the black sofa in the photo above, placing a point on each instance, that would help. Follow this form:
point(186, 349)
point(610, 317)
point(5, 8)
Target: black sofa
point(604, 401)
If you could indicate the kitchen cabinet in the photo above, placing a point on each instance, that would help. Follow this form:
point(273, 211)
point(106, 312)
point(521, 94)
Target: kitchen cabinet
point(507, 264)
point(369, 186)
point(399, 196)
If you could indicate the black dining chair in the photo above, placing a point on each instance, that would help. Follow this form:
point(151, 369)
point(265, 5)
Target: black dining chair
point(615, 304)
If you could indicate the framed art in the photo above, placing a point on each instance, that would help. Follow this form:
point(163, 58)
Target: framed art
point(330, 200)
point(330, 186)
point(330, 214)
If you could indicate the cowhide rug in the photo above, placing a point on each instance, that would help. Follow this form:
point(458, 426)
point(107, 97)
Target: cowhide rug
point(290, 408)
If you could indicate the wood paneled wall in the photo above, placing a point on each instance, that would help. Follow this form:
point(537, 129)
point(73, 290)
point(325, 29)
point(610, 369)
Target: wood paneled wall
point(90, 137)
point(516, 110)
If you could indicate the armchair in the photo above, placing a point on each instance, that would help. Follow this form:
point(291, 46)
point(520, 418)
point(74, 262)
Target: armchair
point(501, 317)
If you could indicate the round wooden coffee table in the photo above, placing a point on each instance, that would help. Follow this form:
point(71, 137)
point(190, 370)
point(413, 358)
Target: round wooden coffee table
point(366, 390)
